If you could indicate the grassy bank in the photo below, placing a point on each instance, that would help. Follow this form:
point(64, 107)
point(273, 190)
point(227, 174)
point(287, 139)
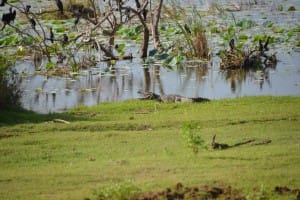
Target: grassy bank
point(141, 143)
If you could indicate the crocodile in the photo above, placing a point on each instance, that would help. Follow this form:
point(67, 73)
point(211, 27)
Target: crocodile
point(171, 98)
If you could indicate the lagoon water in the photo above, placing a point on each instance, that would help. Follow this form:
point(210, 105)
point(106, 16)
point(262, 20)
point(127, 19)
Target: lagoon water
point(123, 80)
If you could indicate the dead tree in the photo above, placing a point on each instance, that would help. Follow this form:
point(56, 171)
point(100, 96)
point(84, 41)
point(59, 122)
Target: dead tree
point(154, 25)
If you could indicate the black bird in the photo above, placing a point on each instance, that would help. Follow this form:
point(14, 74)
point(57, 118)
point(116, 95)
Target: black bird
point(32, 22)
point(138, 5)
point(261, 46)
point(231, 44)
point(12, 14)
point(187, 28)
point(76, 20)
point(127, 12)
point(266, 44)
point(51, 35)
point(3, 2)
point(6, 18)
point(145, 12)
point(65, 39)
point(27, 9)
point(60, 6)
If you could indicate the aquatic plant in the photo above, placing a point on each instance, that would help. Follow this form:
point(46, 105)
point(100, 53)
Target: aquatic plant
point(192, 31)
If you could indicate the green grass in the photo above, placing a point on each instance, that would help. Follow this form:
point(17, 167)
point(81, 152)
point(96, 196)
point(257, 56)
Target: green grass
point(141, 142)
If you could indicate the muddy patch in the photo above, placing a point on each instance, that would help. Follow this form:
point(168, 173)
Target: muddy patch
point(6, 136)
point(196, 192)
point(284, 190)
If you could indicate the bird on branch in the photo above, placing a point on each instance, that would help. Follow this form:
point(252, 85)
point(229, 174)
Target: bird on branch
point(145, 12)
point(12, 14)
point(51, 35)
point(231, 44)
point(8, 17)
point(261, 46)
point(65, 39)
point(60, 6)
point(138, 5)
point(187, 29)
point(5, 19)
point(32, 22)
point(3, 2)
point(266, 44)
point(27, 8)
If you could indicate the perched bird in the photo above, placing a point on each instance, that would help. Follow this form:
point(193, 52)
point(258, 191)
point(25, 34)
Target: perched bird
point(51, 35)
point(12, 14)
point(5, 19)
point(266, 44)
point(65, 39)
point(138, 5)
point(60, 58)
point(187, 28)
point(32, 22)
point(27, 8)
point(261, 46)
point(145, 12)
point(231, 44)
point(8, 17)
point(127, 12)
point(77, 13)
point(60, 6)
point(3, 2)
point(76, 20)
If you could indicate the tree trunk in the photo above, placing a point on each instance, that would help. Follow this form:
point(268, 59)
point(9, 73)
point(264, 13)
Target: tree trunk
point(144, 51)
point(155, 34)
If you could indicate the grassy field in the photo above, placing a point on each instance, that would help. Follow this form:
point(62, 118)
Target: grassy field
point(141, 144)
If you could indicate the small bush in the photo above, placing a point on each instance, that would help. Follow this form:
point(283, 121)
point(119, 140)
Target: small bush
point(10, 93)
point(120, 191)
point(191, 136)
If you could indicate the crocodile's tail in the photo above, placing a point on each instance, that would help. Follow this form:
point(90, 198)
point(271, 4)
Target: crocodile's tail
point(200, 99)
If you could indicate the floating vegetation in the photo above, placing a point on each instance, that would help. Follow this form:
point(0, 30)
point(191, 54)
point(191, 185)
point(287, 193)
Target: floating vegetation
point(292, 8)
point(236, 58)
point(38, 90)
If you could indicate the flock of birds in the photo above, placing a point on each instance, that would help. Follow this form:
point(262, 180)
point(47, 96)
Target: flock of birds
point(9, 17)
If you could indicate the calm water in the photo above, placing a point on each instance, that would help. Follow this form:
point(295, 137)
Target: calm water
point(105, 82)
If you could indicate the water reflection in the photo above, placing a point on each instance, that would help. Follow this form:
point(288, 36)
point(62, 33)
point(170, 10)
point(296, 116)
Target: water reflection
point(237, 77)
point(108, 82)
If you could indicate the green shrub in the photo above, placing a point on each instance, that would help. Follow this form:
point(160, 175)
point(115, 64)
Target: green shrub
point(190, 133)
point(119, 191)
point(10, 93)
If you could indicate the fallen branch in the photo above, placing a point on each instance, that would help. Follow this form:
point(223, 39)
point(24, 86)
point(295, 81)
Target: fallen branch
point(262, 142)
point(216, 145)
